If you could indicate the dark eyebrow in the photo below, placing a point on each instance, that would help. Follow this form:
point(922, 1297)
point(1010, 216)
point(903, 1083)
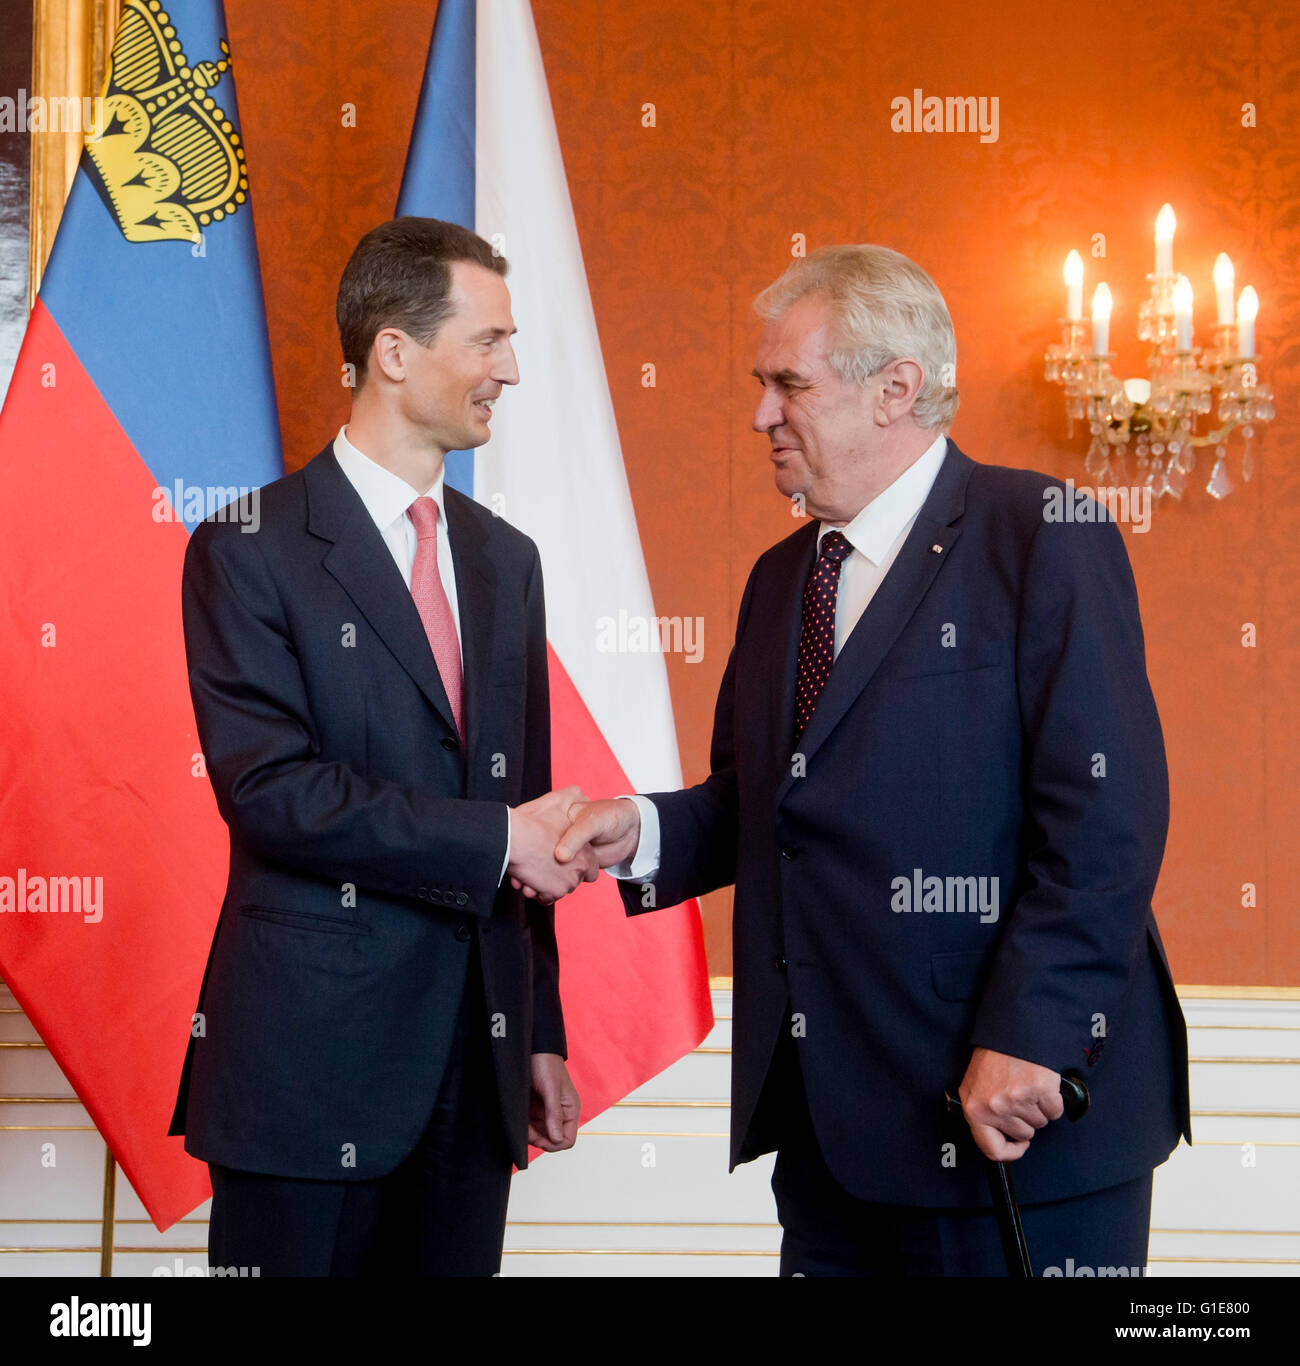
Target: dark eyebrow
point(781, 376)
point(496, 332)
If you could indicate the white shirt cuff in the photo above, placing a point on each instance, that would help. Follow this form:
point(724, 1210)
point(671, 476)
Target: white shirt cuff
point(644, 863)
point(505, 862)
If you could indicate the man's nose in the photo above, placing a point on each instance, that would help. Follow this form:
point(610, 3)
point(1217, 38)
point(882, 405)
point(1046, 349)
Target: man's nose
point(768, 413)
point(506, 370)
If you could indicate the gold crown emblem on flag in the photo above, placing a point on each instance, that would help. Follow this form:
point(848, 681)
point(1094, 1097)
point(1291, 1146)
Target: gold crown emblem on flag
point(168, 157)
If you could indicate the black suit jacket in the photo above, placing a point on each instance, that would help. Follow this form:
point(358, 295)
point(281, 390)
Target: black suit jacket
point(996, 675)
point(365, 844)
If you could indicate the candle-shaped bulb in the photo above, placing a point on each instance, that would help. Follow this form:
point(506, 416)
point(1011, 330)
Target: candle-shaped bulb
point(1223, 291)
point(1247, 311)
point(1101, 319)
point(1166, 224)
point(1074, 286)
point(1183, 301)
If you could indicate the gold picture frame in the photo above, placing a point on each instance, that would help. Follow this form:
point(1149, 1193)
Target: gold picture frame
point(71, 43)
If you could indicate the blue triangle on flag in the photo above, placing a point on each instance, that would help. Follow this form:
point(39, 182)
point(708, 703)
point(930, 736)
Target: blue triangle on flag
point(438, 181)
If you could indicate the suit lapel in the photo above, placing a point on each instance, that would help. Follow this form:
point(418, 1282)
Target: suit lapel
point(361, 563)
point(783, 622)
point(891, 608)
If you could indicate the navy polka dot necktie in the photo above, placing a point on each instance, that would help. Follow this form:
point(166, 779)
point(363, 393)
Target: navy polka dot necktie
point(817, 639)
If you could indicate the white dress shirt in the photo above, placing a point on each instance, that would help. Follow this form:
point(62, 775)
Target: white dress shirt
point(876, 534)
point(387, 497)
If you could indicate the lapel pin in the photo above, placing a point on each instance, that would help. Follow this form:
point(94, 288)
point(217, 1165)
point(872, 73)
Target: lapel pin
point(937, 548)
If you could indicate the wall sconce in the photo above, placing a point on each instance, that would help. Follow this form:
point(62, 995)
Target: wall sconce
point(1158, 415)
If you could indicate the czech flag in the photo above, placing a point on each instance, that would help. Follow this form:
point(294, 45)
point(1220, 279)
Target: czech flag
point(484, 153)
point(141, 401)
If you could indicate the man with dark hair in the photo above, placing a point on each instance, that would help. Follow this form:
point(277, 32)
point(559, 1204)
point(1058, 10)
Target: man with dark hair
point(400, 275)
point(379, 1033)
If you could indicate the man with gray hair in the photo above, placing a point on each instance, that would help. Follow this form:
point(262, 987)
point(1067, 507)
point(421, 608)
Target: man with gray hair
point(938, 784)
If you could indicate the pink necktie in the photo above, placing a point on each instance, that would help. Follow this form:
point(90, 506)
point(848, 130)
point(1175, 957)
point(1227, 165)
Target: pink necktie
point(433, 607)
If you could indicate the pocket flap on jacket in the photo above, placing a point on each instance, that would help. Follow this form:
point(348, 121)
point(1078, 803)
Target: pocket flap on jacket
point(305, 920)
point(958, 976)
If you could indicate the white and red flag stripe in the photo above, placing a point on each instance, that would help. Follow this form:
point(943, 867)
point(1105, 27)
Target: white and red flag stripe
point(484, 152)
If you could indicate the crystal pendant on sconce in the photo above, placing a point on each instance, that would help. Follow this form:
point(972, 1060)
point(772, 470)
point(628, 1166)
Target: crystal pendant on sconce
point(1175, 480)
point(1220, 484)
point(1155, 477)
point(1160, 484)
point(1097, 464)
point(1183, 456)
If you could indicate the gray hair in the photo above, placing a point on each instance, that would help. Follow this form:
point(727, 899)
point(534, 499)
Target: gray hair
point(885, 308)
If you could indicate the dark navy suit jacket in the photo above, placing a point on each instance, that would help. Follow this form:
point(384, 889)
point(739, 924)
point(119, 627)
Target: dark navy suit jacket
point(365, 844)
point(989, 717)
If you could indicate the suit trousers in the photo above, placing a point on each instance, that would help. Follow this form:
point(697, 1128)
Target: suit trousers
point(442, 1212)
point(828, 1232)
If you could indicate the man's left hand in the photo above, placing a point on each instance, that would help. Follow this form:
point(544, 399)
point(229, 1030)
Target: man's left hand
point(554, 1105)
point(1006, 1100)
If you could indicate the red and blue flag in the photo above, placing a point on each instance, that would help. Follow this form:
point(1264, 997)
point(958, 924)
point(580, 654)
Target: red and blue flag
point(142, 400)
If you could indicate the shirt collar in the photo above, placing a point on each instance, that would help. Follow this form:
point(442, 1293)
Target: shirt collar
point(875, 529)
point(385, 494)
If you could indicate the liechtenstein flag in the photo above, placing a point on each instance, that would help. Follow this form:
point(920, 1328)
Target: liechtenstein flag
point(141, 402)
point(484, 153)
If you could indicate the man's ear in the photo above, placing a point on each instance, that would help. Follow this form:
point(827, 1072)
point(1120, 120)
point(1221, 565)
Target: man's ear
point(387, 354)
point(901, 382)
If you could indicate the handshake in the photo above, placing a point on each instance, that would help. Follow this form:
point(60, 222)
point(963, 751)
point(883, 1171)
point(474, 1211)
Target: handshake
point(562, 839)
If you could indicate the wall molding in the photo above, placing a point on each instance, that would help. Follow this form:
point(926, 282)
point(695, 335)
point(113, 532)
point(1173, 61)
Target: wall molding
point(646, 1191)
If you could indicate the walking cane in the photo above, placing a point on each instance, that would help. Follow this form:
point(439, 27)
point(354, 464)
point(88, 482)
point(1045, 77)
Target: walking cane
point(1002, 1188)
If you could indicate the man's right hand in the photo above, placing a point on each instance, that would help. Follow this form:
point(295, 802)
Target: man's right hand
point(535, 828)
point(609, 830)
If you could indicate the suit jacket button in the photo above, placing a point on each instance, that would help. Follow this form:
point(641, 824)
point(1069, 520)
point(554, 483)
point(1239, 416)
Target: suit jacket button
point(462, 898)
point(462, 931)
point(449, 743)
point(435, 895)
point(787, 852)
point(779, 962)
point(423, 893)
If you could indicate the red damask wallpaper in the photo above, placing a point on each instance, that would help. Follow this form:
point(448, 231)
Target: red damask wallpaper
point(773, 118)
